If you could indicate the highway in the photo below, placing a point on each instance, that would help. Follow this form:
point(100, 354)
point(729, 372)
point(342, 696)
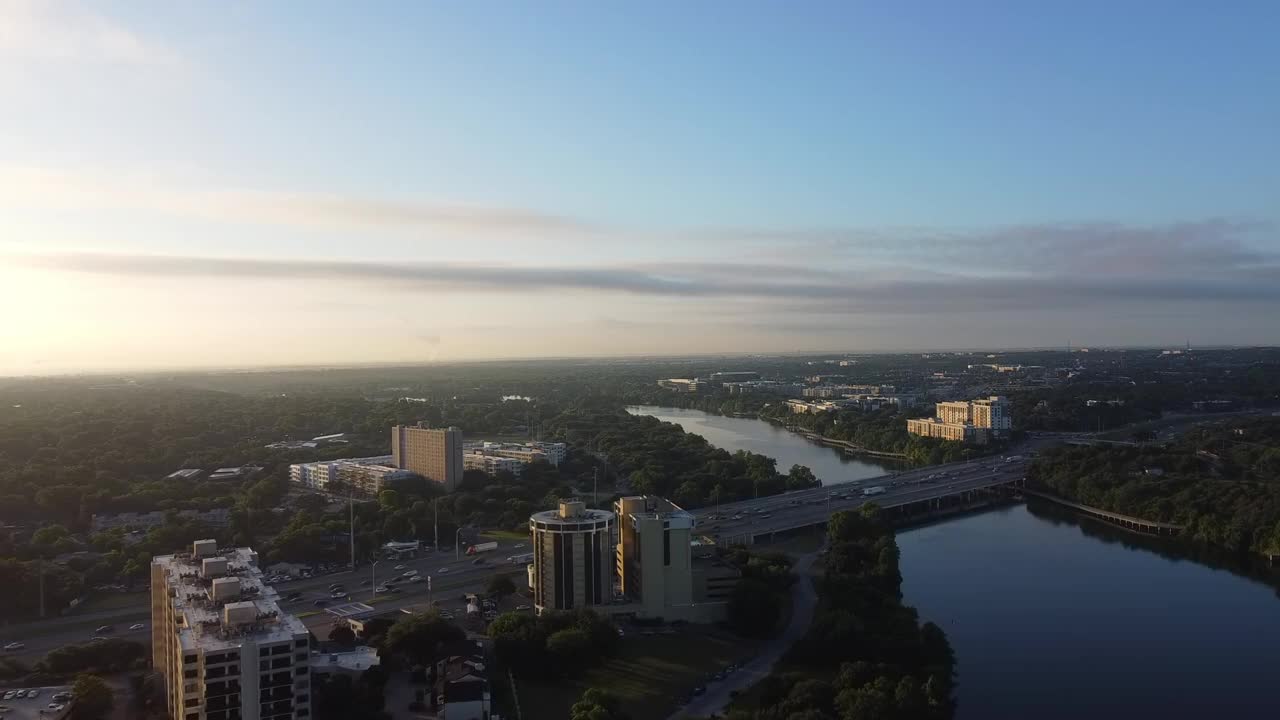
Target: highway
point(738, 521)
point(460, 576)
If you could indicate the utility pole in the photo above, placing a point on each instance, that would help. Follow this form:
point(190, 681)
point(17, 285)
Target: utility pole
point(352, 496)
point(435, 522)
point(42, 586)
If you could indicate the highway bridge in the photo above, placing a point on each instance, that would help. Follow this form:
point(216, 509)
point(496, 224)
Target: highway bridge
point(909, 496)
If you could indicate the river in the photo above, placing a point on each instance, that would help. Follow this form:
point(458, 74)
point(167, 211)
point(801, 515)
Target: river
point(1054, 618)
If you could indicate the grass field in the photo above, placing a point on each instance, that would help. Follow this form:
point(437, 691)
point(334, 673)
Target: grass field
point(649, 674)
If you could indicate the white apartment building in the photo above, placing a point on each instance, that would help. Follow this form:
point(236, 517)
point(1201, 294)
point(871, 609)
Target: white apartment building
point(365, 475)
point(218, 636)
point(491, 464)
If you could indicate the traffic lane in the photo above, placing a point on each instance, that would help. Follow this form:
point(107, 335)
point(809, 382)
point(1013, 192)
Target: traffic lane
point(38, 645)
point(792, 514)
point(974, 466)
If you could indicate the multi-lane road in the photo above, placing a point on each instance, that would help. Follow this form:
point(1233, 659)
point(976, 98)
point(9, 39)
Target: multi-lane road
point(450, 579)
point(744, 519)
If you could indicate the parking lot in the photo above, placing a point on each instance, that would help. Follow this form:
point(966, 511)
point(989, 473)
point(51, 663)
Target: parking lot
point(48, 703)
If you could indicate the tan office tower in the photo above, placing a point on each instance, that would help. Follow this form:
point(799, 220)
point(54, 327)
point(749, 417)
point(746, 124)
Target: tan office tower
point(572, 557)
point(435, 454)
point(218, 636)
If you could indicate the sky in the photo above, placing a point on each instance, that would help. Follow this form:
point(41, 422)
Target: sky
point(285, 183)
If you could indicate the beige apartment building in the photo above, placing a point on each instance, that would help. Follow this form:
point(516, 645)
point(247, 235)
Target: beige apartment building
point(434, 453)
point(218, 636)
point(572, 557)
point(966, 420)
point(663, 571)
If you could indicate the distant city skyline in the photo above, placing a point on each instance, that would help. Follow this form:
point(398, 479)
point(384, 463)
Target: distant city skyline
point(184, 186)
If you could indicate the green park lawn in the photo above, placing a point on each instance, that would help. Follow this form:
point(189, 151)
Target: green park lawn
point(649, 674)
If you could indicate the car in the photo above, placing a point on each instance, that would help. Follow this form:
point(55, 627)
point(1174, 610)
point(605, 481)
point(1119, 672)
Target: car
point(699, 690)
point(395, 590)
point(335, 587)
point(518, 545)
point(9, 695)
point(478, 561)
point(137, 626)
point(399, 567)
point(621, 632)
point(55, 707)
point(339, 596)
point(320, 603)
point(33, 693)
point(526, 607)
point(381, 589)
point(409, 574)
point(365, 583)
point(417, 579)
point(442, 570)
point(19, 694)
point(97, 638)
point(766, 515)
point(105, 629)
point(62, 696)
point(15, 646)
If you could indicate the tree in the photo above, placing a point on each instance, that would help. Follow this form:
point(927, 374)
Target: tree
point(570, 648)
point(93, 698)
point(596, 704)
point(421, 635)
point(801, 477)
point(501, 586)
point(753, 608)
point(343, 635)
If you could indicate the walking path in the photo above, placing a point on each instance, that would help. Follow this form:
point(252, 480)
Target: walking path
point(718, 695)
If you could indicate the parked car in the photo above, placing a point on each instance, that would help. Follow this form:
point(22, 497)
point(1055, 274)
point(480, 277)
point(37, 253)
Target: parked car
point(15, 646)
point(399, 567)
point(62, 696)
point(137, 626)
point(442, 570)
point(33, 693)
point(105, 629)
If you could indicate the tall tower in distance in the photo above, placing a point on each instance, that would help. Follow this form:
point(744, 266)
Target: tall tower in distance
point(434, 453)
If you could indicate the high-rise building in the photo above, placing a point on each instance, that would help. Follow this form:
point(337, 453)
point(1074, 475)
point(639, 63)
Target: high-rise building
point(658, 569)
point(218, 636)
point(993, 413)
point(572, 557)
point(434, 453)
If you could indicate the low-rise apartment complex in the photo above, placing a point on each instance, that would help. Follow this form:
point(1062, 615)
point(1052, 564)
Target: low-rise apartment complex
point(363, 475)
point(226, 649)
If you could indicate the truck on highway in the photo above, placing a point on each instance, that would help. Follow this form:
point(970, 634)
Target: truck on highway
point(877, 490)
point(482, 548)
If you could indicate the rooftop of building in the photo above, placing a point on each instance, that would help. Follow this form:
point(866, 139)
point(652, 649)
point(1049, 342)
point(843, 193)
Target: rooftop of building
point(654, 507)
point(357, 659)
point(250, 610)
point(571, 511)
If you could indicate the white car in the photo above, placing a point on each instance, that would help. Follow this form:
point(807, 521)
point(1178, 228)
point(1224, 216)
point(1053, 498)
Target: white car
point(137, 626)
point(409, 574)
point(442, 570)
point(399, 567)
point(55, 707)
point(33, 693)
point(15, 646)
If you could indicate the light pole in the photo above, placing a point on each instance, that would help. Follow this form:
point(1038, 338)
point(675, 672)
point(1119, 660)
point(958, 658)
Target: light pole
point(373, 578)
point(435, 523)
point(457, 547)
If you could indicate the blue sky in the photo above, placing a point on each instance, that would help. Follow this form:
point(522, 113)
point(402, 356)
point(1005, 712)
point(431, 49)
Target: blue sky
point(785, 177)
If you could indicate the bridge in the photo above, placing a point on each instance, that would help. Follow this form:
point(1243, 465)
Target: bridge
point(907, 497)
point(1151, 527)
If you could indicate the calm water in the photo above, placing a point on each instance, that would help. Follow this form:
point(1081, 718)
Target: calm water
point(830, 465)
point(1052, 619)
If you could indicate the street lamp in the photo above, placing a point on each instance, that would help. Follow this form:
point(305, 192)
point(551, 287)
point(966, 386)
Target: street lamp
point(457, 548)
point(373, 578)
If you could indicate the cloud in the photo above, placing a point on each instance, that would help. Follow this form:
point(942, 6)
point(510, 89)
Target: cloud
point(824, 292)
point(41, 188)
point(51, 30)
